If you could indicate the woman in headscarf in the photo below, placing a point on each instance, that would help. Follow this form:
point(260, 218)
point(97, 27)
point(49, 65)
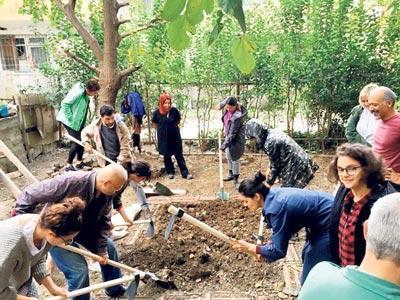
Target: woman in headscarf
point(235, 140)
point(166, 119)
point(288, 161)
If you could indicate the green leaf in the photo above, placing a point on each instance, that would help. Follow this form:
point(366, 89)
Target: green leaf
point(242, 52)
point(208, 6)
point(217, 28)
point(172, 9)
point(238, 13)
point(178, 39)
point(227, 5)
point(194, 11)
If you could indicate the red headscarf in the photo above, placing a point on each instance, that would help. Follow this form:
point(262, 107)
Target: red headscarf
point(163, 97)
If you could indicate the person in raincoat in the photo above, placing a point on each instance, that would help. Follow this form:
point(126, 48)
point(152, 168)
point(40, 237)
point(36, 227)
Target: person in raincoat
point(288, 161)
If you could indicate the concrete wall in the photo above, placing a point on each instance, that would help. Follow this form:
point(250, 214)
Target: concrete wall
point(11, 135)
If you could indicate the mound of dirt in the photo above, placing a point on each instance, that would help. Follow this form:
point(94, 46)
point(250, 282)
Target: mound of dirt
point(195, 260)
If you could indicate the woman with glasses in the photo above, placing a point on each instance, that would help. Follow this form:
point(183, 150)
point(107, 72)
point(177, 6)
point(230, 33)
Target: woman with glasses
point(26, 239)
point(362, 183)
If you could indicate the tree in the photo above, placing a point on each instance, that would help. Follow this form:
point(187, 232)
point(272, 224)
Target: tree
point(104, 44)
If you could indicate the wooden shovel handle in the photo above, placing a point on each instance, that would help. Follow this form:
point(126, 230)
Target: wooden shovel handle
point(97, 257)
point(94, 151)
point(95, 287)
point(203, 226)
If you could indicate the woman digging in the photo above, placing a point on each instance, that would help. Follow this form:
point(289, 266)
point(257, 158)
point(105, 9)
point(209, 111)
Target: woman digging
point(286, 211)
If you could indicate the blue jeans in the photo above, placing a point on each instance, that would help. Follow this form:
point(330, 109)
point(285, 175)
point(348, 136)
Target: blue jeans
point(76, 271)
point(314, 252)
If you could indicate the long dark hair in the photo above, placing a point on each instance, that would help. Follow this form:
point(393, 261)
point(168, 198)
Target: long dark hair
point(250, 186)
point(63, 218)
point(372, 164)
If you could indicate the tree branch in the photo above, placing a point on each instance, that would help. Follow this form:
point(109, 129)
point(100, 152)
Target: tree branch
point(69, 11)
point(72, 3)
point(129, 71)
point(123, 4)
point(82, 62)
point(152, 23)
point(123, 22)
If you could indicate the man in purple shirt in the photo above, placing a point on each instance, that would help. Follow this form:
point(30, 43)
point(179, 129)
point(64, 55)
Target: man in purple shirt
point(387, 135)
point(101, 191)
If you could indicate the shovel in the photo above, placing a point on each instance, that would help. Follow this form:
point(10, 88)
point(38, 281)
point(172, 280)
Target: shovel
point(221, 195)
point(150, 228)
point(162, 189)
point(144, 276)
point(180, 213)
point(98, 286)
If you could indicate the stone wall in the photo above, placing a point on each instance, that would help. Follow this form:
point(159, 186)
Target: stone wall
point(11, 135)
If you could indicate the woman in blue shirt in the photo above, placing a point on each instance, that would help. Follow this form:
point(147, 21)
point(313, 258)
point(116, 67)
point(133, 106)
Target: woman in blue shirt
point(286, 211)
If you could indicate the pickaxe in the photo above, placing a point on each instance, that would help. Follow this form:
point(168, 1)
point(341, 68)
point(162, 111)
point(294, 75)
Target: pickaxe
point(150, 228)
point(180, 213)
point(138, 274)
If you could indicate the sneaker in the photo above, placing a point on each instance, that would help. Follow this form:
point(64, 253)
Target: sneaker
point(170, 176)
point(70, 168)
point(189, 177)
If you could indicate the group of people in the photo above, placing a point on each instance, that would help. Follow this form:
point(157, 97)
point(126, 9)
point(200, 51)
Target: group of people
point(78, 205)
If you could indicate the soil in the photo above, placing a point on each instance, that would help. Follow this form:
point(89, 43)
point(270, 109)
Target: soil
point(194, 260)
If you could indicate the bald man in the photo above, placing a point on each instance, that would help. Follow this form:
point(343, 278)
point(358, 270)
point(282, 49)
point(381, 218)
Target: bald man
point(101, 191)
point(381, 103)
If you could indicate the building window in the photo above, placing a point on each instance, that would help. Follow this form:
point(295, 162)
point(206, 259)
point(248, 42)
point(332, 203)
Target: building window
point(22, 53)
point(21, 49)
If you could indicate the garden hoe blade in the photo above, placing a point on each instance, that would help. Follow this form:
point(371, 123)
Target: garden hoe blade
point(172, 221)
point(131, 291)
point(150, 229)
point(162, 189)
point(165, 284)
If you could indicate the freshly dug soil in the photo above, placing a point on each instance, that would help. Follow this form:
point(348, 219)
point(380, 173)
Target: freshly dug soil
point(196, 260)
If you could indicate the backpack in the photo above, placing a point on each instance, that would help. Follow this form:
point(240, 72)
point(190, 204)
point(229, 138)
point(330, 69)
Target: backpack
point(136, 104)
point(125, 106)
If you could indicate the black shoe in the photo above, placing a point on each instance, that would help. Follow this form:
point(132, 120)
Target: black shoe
point(81, 165)
point(236, 181)
point(70, 168)
point(170, 176)
point(229, 177)
point(120, 294)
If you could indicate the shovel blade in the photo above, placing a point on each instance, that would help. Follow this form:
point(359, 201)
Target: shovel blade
point(131, 291)
point(221, 195)
point(162, 189)
point(150, 229)
point(169, 227)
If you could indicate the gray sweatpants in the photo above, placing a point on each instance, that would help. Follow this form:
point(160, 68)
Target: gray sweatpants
point(233, 165)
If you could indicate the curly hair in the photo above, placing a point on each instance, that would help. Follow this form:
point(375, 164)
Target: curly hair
point(372, 165)
point(63, 218)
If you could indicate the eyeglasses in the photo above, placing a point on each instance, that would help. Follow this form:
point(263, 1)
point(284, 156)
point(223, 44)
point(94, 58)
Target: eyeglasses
point(352, 170)
point(66, 242)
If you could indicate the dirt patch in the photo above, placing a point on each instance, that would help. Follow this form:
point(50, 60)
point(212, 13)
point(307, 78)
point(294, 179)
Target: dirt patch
point(195, 260)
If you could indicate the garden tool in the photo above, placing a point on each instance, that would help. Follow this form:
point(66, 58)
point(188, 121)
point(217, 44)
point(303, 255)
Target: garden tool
point(180, 213)
point(139, 275)
point(71, 138)
point(259, 237)
point(162, 189)
point(103, 285)
point(221, 195)
point(150, 228)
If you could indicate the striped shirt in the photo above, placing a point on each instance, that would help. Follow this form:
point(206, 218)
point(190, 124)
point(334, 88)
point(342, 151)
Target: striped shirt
point(347, 225)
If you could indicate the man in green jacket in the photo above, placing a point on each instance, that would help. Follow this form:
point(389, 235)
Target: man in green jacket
point(72, 115)
point(377, 278)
